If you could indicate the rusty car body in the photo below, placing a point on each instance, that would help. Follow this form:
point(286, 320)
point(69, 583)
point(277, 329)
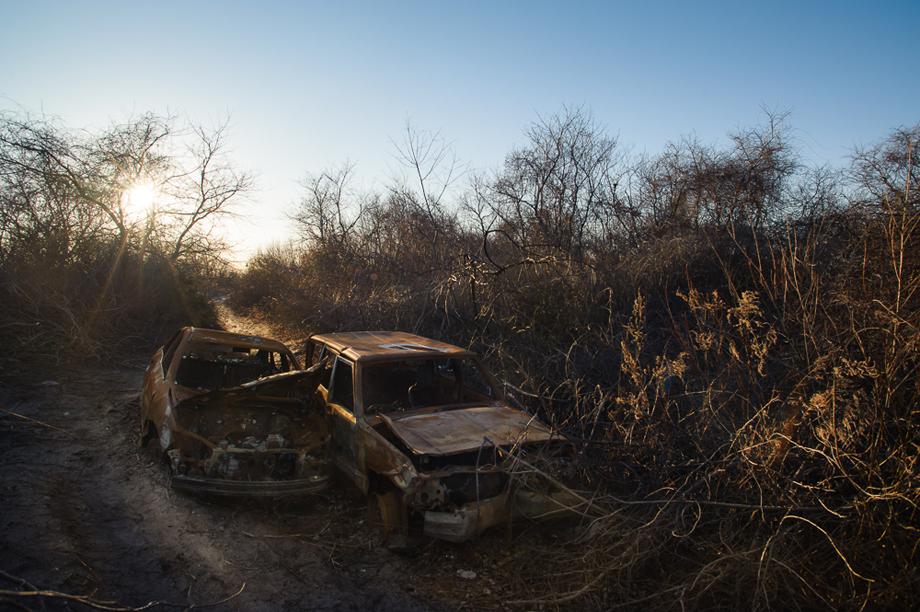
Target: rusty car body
point(422, 427)
point(232, 414)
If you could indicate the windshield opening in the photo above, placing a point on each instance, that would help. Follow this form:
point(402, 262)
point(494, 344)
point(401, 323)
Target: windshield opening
point(222, 367)
point(422, 383)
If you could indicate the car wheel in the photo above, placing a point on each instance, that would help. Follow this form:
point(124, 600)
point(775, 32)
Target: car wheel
point(147, 433)
point(388, 514)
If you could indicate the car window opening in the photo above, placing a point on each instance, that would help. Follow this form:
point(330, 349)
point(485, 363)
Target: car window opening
point(423, 383)
point(169, 350)
point(342, 392)
point(224, 367)
point(325, 362)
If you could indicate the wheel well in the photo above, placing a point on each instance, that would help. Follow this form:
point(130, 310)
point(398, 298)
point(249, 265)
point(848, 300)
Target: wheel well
point(377, 484)
point(148, 432)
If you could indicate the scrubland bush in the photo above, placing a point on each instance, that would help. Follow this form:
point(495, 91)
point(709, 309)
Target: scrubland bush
point(730, 337)
point(82, 266)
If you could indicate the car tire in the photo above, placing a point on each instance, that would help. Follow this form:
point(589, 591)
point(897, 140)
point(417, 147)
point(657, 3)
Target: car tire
point(147, 433)
point(387, 513)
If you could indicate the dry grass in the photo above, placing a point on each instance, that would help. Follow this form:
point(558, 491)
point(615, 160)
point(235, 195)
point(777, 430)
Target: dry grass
point(737, 362)
point(731, 340)
point(81, 276)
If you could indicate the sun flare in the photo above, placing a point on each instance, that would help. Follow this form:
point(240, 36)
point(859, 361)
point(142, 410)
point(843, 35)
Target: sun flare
point(139, 199)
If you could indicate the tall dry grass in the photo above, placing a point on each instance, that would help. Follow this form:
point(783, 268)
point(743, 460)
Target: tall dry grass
point(730, 338)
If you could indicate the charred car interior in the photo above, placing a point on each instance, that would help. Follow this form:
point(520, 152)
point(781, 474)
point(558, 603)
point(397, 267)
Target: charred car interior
point(222, 366)
point(232, 415)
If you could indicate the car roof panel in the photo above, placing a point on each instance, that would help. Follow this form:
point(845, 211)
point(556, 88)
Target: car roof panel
point(387, 345)
point(215, 336)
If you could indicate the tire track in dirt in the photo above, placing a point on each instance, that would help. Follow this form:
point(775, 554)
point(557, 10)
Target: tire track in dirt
point(87, 513)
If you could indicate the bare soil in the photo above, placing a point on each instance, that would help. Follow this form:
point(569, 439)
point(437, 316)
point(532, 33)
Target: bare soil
point(85, 512)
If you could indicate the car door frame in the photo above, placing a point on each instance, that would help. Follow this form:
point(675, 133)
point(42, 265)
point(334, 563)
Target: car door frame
point(157, 379)
point(343, 426)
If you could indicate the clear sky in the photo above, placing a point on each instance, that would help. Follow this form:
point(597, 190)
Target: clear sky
point(309, 85)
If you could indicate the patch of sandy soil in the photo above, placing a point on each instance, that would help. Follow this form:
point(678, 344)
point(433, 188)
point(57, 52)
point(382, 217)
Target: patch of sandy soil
point(241, 324)
point(84, 511)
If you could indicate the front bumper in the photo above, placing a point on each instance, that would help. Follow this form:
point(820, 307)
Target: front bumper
point(469, 520)
point(252, 488)
point(472, 519)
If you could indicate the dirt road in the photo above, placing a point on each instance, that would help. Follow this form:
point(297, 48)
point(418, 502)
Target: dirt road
point(84, 512)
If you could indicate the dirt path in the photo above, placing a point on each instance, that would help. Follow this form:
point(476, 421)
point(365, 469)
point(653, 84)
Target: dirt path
point(84, 512)
point(241, 324)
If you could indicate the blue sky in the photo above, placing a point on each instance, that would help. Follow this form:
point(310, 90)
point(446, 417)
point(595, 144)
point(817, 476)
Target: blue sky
point(309, 85)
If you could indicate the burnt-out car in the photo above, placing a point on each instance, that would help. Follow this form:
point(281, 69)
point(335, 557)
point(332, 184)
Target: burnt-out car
point(233, 415)
point(423, 427)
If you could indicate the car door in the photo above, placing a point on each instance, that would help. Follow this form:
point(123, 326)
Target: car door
point(155, 397)
point(340, 410)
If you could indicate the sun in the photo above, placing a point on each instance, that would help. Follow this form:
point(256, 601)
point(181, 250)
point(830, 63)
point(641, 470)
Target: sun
point(139, 199)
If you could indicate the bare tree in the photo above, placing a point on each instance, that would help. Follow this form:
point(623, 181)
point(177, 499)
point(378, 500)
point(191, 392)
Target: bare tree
point(692, 185)
point(65, 177)
point(202, 194)
point(322, 214)
point(888, 173)
point(74, 256)
point(433, 165)
point(558, 194)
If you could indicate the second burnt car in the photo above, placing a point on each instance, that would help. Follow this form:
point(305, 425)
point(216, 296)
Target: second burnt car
point(423, 427)
point(232, 413)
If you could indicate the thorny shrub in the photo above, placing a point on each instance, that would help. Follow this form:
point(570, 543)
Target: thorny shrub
point(730, 339)
point(80, 271)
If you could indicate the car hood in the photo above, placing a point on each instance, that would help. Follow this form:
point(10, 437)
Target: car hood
point(268, 386)
point(464, 429)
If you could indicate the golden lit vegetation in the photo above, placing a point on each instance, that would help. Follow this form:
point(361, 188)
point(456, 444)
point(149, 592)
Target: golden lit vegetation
point(730, 337)
point(106, 236)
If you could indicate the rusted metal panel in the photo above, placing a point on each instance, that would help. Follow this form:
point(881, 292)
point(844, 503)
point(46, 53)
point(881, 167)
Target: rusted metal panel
point(253, 489)
point(467, 521)
point(382, 458)
point(434, 440)
point(438, 450)
point(216, 336)
point(381, 345)
point(453, 431)
point(258, 438)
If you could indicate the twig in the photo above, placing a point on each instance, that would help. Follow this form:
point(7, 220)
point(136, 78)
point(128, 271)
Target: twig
point(832, 543)
point(81, 599)
point(36, 421)
point(110, 605)
point(212, 604)
point(17, 579)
